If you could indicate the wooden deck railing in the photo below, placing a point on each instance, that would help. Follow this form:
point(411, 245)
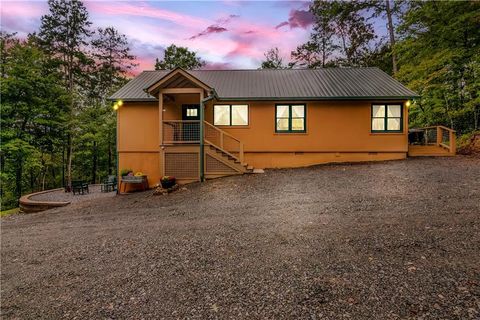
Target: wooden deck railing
point(439, 136)
point(224, 141)
point(181, 132)
point(188, 132)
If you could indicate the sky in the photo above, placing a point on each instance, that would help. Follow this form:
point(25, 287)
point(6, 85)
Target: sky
point(225, 34)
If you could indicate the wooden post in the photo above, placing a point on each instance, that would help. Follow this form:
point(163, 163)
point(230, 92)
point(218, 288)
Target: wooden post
point(439, 136)
point(241, 153)
point(160, 135)
point(202, 138)
point(453, 142)
point(221, 140)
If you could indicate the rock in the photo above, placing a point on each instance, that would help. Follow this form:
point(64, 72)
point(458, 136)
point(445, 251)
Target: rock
point(161, 191)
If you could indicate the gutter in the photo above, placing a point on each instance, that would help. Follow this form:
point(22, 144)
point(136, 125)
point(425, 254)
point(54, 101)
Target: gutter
point(213, 94)
point(341, 98)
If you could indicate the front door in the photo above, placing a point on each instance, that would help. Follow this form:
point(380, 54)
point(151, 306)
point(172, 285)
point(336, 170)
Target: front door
point(191, 130)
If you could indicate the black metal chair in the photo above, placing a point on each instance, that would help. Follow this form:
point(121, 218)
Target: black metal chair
point(79, 186)
point(109, 184)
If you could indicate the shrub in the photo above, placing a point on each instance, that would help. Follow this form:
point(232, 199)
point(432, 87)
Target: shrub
point(168, 178)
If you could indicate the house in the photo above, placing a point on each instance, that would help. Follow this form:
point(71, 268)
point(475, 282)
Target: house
point(203, 124)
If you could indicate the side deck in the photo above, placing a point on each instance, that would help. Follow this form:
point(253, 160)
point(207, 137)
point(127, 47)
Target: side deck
point(435, 141)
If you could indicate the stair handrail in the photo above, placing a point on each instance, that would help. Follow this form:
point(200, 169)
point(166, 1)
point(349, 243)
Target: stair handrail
point(439, 126)
point(222, 134)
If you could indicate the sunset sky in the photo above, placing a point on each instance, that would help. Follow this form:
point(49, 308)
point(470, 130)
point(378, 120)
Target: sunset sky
point(225, 34)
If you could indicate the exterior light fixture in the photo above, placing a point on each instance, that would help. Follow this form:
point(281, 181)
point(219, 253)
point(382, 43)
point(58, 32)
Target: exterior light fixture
point(408, 103)
point(120, 103)
point(115, 106)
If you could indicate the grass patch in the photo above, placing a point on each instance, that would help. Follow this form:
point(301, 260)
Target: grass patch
point(9, 212)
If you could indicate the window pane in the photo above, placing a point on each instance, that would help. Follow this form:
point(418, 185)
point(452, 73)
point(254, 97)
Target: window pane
point(298, 124)
point(378, 124)
point(394, 111)
point(192, 112)
point(393, 124)
point(239, 115)
point(298, 111)
point(378, 111)
point(282, 112)
point(221, 115)
point(282, 124)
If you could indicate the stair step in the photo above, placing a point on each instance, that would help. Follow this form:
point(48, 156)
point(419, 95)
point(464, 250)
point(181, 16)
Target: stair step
point(249, 167)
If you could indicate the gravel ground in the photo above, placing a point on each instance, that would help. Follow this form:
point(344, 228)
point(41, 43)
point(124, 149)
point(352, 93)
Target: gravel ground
point(60, 195)
point(390, 240)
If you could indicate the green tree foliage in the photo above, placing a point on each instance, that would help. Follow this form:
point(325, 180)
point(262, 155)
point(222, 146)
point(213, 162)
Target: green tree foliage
point(33, 109)
point(341, 36)
point(318, 51)
point(439, 57)
point(112, 62)
point(178, 57)
point(64, 33)
point(55, 108)
point(273, 60)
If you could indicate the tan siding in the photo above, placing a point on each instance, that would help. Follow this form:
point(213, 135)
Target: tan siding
point(331, 127)
point(138, 128)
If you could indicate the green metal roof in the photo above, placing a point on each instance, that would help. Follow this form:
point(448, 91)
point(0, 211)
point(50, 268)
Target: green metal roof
point(282, 84)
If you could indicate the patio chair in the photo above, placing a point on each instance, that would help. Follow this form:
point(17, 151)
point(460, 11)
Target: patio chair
point(109, 184)
point(79, 186)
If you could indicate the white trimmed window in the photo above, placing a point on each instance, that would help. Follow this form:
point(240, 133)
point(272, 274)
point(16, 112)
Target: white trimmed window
point(230, 115)
point(387, 118)
point(290, 118)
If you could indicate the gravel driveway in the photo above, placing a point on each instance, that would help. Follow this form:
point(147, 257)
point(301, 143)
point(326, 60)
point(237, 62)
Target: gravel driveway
point(390, 240)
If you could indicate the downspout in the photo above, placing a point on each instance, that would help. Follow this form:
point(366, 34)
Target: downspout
point(211, 96)
point(117, 173)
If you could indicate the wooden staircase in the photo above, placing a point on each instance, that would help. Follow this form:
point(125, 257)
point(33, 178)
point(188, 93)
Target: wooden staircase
point(224, 154)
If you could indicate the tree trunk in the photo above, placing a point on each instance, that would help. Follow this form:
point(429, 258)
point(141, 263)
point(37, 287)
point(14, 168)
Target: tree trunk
point(94, 163)
point(476, 117)
point(69, 159)
point(391, 32)
point(63, 165)
point(69, 138)
point(110, 155)
point(32, 180)
point(18, 177)
point(2, 168)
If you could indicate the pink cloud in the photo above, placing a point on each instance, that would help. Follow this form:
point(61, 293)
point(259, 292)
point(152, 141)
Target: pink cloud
point(24, 9)
point(209, 30)
point(21, 17)
point(226, 20)
point(284, 23)
point(298, 19)
point(143, 10)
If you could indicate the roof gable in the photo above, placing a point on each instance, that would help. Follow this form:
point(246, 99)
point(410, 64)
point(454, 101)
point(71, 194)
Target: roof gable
point(284, 84)
point(177, 78)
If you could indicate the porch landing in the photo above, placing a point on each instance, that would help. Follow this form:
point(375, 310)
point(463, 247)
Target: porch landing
point(428, 151)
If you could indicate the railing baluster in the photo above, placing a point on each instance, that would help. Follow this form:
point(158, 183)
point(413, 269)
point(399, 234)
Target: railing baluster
point(180, 131)
point(241, 153)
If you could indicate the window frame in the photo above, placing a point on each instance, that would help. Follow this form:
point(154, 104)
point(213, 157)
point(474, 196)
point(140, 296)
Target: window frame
point(290, 118)
point(230, 115)
point(386, 117)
